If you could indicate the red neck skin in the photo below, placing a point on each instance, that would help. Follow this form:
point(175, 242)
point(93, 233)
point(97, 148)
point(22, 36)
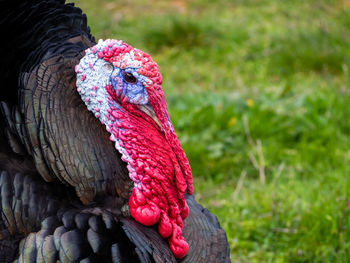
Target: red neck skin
point(158, 103)
point(159, 168)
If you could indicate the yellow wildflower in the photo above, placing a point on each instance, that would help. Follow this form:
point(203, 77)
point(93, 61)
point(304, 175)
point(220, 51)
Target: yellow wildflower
point(232, 122)
point(249, 102)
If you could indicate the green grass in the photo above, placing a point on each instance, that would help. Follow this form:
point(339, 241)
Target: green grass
point(258, 92)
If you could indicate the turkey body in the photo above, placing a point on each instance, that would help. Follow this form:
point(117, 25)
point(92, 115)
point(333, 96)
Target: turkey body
point(63, 185)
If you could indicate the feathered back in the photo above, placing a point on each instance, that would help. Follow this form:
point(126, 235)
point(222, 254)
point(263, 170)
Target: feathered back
point(31, 29)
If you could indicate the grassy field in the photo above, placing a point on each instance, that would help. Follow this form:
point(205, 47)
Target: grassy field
point(258, 91)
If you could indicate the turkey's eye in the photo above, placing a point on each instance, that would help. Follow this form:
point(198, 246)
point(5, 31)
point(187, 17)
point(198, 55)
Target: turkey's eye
point(129, 77)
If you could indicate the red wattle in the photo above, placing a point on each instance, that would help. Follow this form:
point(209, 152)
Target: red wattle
point(180, 250)
point(164, 227)
point(177, 243)
point(159, 194)
point(185, 210)
point(182, 167)
point(146, 213)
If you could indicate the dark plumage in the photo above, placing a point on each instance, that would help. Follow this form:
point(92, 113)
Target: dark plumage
point(63, 186)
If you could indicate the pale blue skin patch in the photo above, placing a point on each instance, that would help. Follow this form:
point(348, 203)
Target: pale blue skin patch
point(135, 92)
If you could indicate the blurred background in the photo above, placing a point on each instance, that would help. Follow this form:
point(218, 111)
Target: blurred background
point(258, 92)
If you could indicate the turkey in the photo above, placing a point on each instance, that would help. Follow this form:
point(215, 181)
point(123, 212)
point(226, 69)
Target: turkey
point(91, 169)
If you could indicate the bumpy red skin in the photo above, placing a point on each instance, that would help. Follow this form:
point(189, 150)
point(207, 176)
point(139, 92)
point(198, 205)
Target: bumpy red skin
point(162, 170)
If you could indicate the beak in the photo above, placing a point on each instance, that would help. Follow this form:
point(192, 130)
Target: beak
point(146, 108)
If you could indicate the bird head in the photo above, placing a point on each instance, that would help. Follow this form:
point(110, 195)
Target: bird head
point(121, 86)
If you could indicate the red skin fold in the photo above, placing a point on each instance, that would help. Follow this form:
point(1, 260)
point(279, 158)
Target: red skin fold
point(159, 196)
point(156, 161)
point(148, 213)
